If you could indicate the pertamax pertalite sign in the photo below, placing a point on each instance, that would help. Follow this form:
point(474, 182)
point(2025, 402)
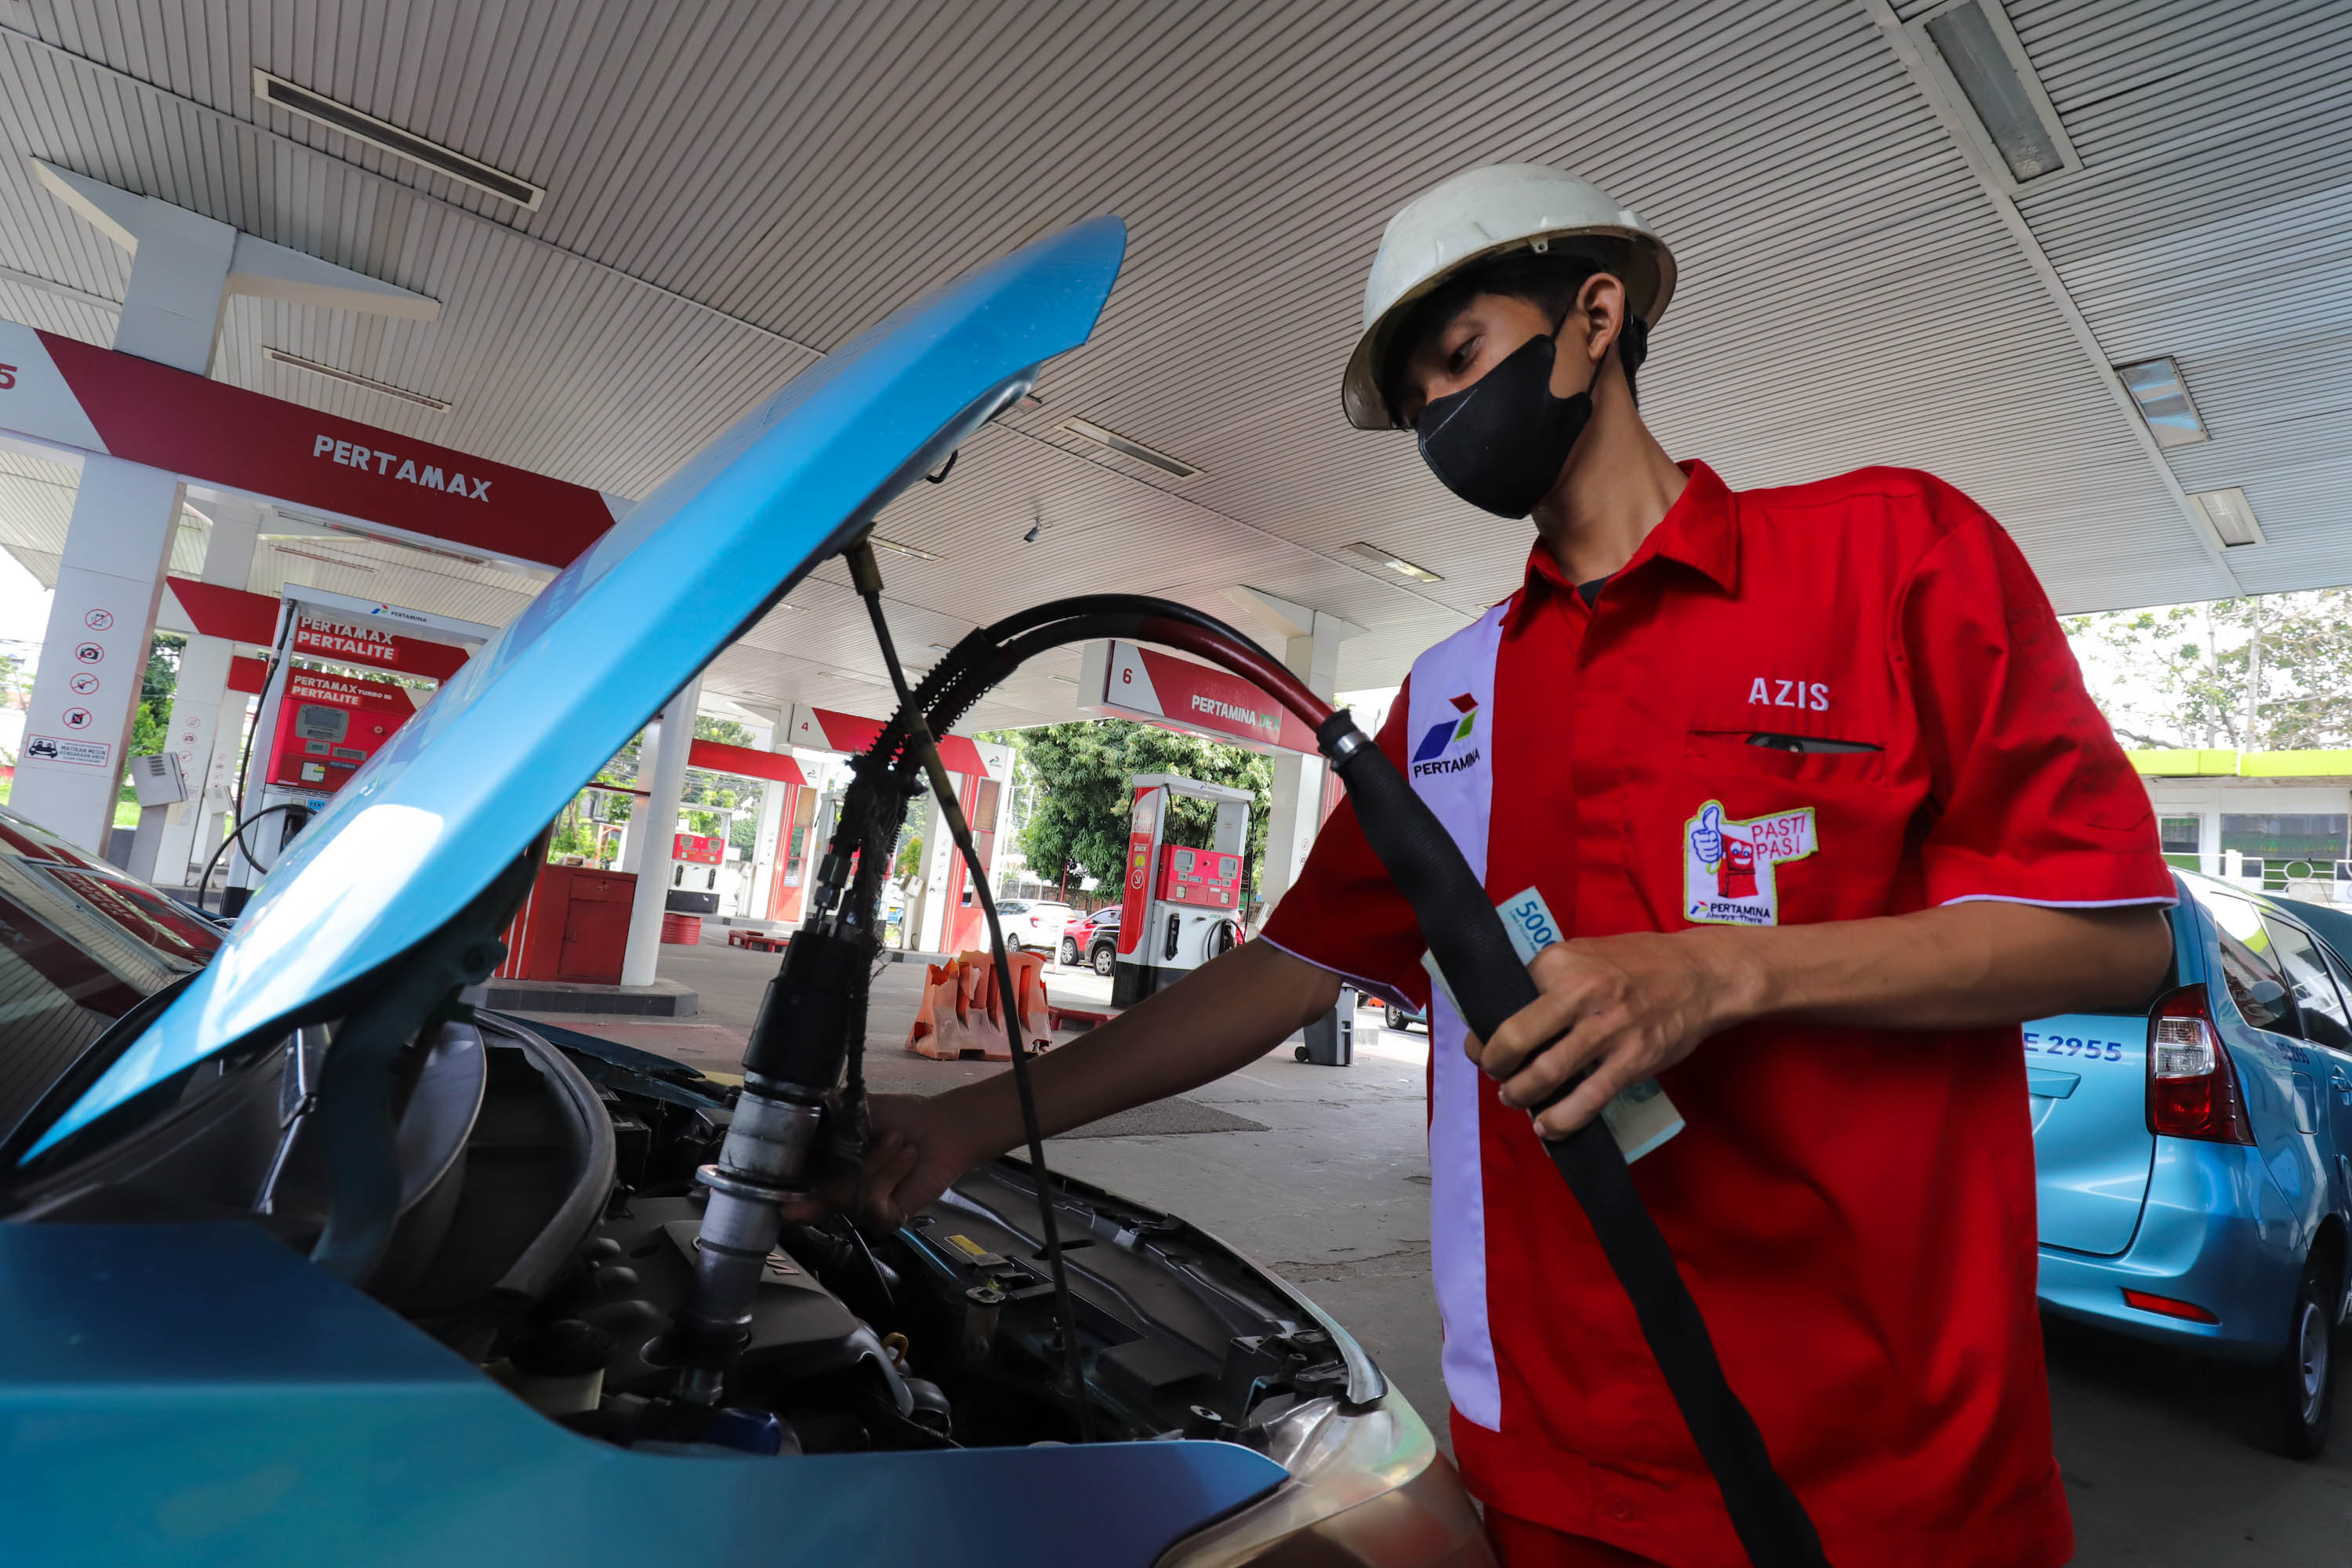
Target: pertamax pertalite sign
point(364, 639)
point(73, 394)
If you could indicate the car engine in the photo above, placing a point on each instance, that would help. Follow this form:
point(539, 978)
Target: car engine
point(938, 1334)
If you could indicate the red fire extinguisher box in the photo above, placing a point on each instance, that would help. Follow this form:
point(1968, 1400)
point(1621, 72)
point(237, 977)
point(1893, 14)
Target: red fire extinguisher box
point(574, 926)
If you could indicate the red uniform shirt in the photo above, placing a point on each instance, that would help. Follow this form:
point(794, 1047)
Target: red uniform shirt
point(1852, 1208)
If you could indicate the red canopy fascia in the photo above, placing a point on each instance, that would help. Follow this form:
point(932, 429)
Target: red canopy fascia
point(718, 757)
point(231, 613)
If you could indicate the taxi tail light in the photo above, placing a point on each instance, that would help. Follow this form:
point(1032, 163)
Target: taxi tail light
point(2192, 1088)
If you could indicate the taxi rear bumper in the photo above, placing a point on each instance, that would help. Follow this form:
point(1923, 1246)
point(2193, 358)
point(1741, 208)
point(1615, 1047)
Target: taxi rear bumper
point(2215, 1233)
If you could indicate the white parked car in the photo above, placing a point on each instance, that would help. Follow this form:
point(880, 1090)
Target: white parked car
point(1036, 924)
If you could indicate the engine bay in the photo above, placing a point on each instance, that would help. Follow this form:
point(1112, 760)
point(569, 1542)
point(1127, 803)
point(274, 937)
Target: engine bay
point(939, 1334)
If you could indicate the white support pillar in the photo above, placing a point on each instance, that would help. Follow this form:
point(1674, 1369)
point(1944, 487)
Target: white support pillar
point(927, 923)
point(653, 826)
point(767, 849)
point(999, 761)
point(1311, 651)
point(118, 544)
point(94, 651)
point(194, 828)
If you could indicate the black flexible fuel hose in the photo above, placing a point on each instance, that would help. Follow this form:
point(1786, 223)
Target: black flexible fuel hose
point(237, 837)
point(1474, 953)
point(922, 751)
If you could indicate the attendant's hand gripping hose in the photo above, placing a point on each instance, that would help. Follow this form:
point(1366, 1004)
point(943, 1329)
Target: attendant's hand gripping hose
point(1474, 954)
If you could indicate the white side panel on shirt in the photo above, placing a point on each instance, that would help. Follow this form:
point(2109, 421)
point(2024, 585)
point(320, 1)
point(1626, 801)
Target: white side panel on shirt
point(1453, 777)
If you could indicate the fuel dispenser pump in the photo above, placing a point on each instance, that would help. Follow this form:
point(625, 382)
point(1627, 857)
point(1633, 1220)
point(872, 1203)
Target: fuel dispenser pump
point(314, 729)
point(1182, 904)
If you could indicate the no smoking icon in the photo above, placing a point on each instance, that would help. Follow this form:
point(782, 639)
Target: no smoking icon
point(77, 718)
point(83, 683)
point(89, 653)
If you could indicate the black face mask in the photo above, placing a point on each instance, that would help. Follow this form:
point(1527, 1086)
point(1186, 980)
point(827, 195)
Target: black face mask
point(1501, 442)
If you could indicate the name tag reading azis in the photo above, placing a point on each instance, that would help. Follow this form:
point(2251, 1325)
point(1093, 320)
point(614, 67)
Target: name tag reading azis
point(1641, 1116)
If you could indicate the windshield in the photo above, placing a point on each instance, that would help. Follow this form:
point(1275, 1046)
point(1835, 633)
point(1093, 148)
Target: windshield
point(81, 945)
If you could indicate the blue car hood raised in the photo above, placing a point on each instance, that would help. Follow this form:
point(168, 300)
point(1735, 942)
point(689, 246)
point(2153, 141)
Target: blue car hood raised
point(464, 786)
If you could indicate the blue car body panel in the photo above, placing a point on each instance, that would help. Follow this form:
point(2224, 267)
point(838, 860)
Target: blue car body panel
point(464, 786)
point(199, 1394)
point(2225, 1226)
point(2095, 1067)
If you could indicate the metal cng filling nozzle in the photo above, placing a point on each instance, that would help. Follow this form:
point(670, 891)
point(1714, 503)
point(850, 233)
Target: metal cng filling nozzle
point(811, 1015)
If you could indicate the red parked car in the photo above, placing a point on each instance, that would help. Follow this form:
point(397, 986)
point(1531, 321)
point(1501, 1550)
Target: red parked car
point(1093, 938)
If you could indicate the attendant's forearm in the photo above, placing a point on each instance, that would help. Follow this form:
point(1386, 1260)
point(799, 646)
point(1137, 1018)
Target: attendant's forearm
point(1223, 1015)
point(1958, 966)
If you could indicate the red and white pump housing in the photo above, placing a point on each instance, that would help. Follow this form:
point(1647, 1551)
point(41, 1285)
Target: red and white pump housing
point(1181, 902)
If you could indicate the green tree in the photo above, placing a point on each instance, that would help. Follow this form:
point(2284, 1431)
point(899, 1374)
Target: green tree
point(702, 787)
point(911, 858)
point(1083, 797)
point(150, 723)
point(2272, 672)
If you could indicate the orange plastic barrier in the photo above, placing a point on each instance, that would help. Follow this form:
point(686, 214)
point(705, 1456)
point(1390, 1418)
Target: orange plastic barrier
point(959, 1018)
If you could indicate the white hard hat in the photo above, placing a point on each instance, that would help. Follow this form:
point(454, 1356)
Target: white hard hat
point(1485, 213)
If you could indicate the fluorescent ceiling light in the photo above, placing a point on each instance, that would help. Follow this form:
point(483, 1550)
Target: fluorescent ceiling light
point(386, 137)
point(2156, 385)
point(2231, 515)
point(1128, 448)
point(895, 548)
point(1988, 65)
point(1394, 563)
point(352, 378)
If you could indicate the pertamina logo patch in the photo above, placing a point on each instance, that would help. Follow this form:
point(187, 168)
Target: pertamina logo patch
point(1440, 750)
point(1728, 868)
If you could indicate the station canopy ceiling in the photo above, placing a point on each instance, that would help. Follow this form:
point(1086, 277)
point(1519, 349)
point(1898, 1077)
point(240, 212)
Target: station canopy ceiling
point(729, 189)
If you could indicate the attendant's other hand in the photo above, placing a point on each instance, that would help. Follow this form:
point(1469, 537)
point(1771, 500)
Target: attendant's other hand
point(1625, 1006)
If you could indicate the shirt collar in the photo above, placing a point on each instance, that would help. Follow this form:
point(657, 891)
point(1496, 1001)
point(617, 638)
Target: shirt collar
point(1701, 530)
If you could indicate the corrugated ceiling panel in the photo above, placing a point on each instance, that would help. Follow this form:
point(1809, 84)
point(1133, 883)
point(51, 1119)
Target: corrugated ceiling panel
point(2213, 223)
point(735, 186)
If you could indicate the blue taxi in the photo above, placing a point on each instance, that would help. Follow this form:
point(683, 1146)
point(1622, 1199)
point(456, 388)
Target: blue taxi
point(2194, 1184)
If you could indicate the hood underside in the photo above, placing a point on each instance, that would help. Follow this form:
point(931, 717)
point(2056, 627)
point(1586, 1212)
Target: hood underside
point(465, 787)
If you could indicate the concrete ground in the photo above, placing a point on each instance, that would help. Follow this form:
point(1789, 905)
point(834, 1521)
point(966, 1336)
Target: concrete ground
point(1327, 1182)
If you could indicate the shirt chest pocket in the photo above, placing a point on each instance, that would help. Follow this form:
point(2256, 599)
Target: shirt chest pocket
point(1785, 747)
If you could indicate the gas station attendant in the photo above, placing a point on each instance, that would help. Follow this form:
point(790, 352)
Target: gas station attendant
point(1807, 783)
